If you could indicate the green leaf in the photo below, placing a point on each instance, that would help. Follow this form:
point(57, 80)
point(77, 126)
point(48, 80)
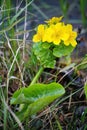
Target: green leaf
point(40, 104)
point(46, 58)
point(46, 45)
point(44, 55)
point(37, 47)
point(36, 97)
point(85, 89)
point(62, 50)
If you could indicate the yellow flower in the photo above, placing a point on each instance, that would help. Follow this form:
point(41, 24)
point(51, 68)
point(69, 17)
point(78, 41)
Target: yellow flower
point(54, 20)
point(59, 33)
point(71, 40)
point(48, 34)
point(72, 36)
point(55, 32)
point(40, 32)
point(64, 33)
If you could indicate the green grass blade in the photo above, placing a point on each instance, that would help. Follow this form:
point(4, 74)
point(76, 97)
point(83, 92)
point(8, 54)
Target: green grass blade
point(15, 17)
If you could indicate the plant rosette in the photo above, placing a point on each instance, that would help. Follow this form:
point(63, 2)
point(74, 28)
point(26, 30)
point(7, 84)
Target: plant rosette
point(53, 39)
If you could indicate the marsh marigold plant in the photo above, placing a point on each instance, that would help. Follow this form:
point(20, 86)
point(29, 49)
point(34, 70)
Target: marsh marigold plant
point(55, 37)
point(52, 39)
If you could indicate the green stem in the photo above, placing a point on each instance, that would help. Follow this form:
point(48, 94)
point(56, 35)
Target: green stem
point(37, 75)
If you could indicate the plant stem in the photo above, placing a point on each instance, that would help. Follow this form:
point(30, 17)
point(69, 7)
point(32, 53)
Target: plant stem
point(37, 75)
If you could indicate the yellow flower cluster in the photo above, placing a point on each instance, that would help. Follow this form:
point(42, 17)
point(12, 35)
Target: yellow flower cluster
point(54, 32)
point(54, 20)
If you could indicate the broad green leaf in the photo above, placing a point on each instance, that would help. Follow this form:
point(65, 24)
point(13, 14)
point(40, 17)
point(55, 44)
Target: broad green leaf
point(44, 55)
point(36, 97)
point(40, 104)
point(36, 106)
point(35, 91)
point(85, 89)
point(46, 58)
point(62, 50)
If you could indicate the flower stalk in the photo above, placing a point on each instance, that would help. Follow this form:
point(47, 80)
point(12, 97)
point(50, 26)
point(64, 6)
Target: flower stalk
point(37, 75)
